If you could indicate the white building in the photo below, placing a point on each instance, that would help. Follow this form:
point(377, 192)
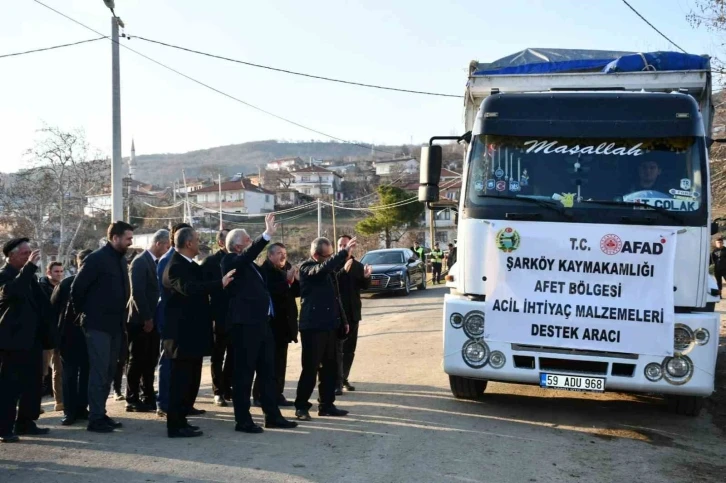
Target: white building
point(388, 167)
point(237, 196)
point(286, 164)
point(317, 181)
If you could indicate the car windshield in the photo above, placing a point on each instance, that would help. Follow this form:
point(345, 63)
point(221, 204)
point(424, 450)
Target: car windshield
point(577, 173)
point(382, 258)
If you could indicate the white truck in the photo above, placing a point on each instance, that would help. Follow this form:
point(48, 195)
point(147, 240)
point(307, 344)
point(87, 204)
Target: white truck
point(584, 227)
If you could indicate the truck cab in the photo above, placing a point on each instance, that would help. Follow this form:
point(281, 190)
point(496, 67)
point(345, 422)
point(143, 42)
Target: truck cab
point(584, 232)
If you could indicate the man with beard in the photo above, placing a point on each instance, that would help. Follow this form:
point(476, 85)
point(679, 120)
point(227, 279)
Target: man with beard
point(284, 287)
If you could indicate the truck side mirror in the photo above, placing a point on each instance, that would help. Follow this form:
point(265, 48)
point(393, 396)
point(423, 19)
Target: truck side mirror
point(431, 158)
point(714, 227)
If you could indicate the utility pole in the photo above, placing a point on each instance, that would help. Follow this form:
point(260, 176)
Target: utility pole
point(332, 206)
point(187, 208)
point(221, 218)
point(320, 219)
point(117, 203)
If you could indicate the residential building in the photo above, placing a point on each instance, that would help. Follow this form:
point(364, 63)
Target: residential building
point(391, 167)
point(136, 191)
point(239, 196)
point(288, 197)
point(318, 182)
point(287, 164)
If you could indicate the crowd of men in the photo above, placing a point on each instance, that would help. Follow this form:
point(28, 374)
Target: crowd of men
point(165, 309)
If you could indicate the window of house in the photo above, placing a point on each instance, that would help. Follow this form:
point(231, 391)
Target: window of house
point(306, 178)
point(324, 190)
point(285, 197)
point(442, 236)
point(306, 191)
point(267, 198)
point(443, 215)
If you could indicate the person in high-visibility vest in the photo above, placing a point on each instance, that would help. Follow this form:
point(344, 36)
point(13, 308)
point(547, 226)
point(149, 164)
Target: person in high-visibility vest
point(437, 257)
point(418, 250)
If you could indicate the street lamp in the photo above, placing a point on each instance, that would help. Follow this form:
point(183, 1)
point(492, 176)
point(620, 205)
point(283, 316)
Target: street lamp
point(110, 5)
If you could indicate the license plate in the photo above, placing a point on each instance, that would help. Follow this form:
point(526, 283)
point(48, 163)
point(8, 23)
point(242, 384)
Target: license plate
point(375, 282)
point(572, 383)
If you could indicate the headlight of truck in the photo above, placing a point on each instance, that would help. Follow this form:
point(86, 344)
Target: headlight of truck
point(474, 324)
point(702, 336)
point(678, 370)
point(497, 359)
point(456, 320)
point(683, 339)
point(475, 353)
point(653, 372)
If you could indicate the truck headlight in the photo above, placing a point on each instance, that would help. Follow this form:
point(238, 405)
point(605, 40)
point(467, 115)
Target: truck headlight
point(456, 320)
point(702, 336)
point(497, 360)
point(474, 324)
point(678, 370)
point(683, 339)
point(475, 353)
point(653, 372)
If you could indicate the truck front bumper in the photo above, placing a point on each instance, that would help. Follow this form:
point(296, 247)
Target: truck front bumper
point(622, 372)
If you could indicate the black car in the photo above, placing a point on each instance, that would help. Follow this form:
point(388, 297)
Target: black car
point(395, 270)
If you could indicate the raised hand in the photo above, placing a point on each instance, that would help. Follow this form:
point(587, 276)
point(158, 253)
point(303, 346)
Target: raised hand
point(367, 270)
point(34, 257)
point(348, 265)
point(228, 278)
point(270, 226)
point(352, 243)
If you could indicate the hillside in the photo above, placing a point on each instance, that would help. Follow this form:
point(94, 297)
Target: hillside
point(246, 157)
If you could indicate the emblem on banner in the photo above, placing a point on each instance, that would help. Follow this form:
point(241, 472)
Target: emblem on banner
point(507, 239)
point(611, 244)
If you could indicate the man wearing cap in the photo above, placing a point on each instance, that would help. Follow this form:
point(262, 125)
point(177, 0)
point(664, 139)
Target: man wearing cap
point(25, 328)
point(437, 257)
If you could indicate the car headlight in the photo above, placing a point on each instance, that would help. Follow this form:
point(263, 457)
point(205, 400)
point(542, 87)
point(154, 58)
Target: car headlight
point(678, 370)
point(653, 372)
point(475, 353)
point(474, 324)
point(702, 336)
point(456, 320)
point(683, 339)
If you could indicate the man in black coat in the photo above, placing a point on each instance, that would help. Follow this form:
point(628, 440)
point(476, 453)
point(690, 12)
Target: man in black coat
point(99, 295)
point(52, 366)
point(250, 311)
point(142, 332)
point(322, 323)
point(718, 260)
point(25, 320)
point(187, 332)
point(284, 288)
point(352, 278)
point(221, 366)
point(73, 351)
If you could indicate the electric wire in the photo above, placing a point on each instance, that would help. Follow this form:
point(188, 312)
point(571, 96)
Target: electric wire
point(652, 26)
point(44, 49)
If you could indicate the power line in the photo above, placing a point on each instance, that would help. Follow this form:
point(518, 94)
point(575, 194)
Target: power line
point(289, 121)
point(52, 48)
point(653, 26)
point(292, 72)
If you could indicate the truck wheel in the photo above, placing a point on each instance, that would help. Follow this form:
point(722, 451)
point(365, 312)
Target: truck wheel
point(465, 388)
point(686, 405)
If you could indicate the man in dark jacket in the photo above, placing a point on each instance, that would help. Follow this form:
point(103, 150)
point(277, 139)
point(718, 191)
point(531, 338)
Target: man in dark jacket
point(250, 311)
point(25, 319)
point(73, 351)
point(451, 257)
point(142, 334)
point(718, 260)
point(99, 294)
point(352, 278)
point(187, 333)
point(284, 288)
point(52, 366)
point(221, 366)
point(322, 320)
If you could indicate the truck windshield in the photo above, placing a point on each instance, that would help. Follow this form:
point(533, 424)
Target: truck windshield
point(666, 174)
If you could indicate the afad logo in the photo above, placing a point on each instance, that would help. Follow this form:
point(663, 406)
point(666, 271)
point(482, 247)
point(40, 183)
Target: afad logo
point(612, 245)
point(508, 239)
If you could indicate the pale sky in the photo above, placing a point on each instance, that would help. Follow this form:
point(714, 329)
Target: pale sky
point(402, 43)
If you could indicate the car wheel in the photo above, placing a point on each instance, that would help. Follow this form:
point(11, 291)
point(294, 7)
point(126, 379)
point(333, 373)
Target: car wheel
point(407, 286)
point(422, 285)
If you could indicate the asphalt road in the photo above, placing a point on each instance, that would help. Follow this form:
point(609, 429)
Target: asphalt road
point(404, 426)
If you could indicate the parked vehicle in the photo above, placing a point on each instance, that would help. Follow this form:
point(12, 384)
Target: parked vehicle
point(584, 228)
point(395, 270)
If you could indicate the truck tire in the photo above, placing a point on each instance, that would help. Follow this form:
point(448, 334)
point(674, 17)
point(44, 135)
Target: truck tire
point(465, 388)
point(686, 405)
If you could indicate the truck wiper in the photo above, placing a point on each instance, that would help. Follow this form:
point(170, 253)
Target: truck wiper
point(657, 209)
point(536, 201)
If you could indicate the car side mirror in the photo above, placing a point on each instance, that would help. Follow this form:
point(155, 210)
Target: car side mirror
point(412, 260)
point(714, 227)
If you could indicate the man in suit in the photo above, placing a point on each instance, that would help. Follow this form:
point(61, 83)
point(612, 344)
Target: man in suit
point(142, 334)
point(250, 311)
point(221, 367)
point(99, 293)
point(25, 320)
point(73, 351)
point(352, 278)
point(162, 402)
point(187, 334)
point(322, 322)
point(284, 288)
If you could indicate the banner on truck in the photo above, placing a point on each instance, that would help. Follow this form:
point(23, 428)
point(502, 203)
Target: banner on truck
point(598, 287)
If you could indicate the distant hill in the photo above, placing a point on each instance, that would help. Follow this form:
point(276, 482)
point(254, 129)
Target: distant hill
point(247, 157)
